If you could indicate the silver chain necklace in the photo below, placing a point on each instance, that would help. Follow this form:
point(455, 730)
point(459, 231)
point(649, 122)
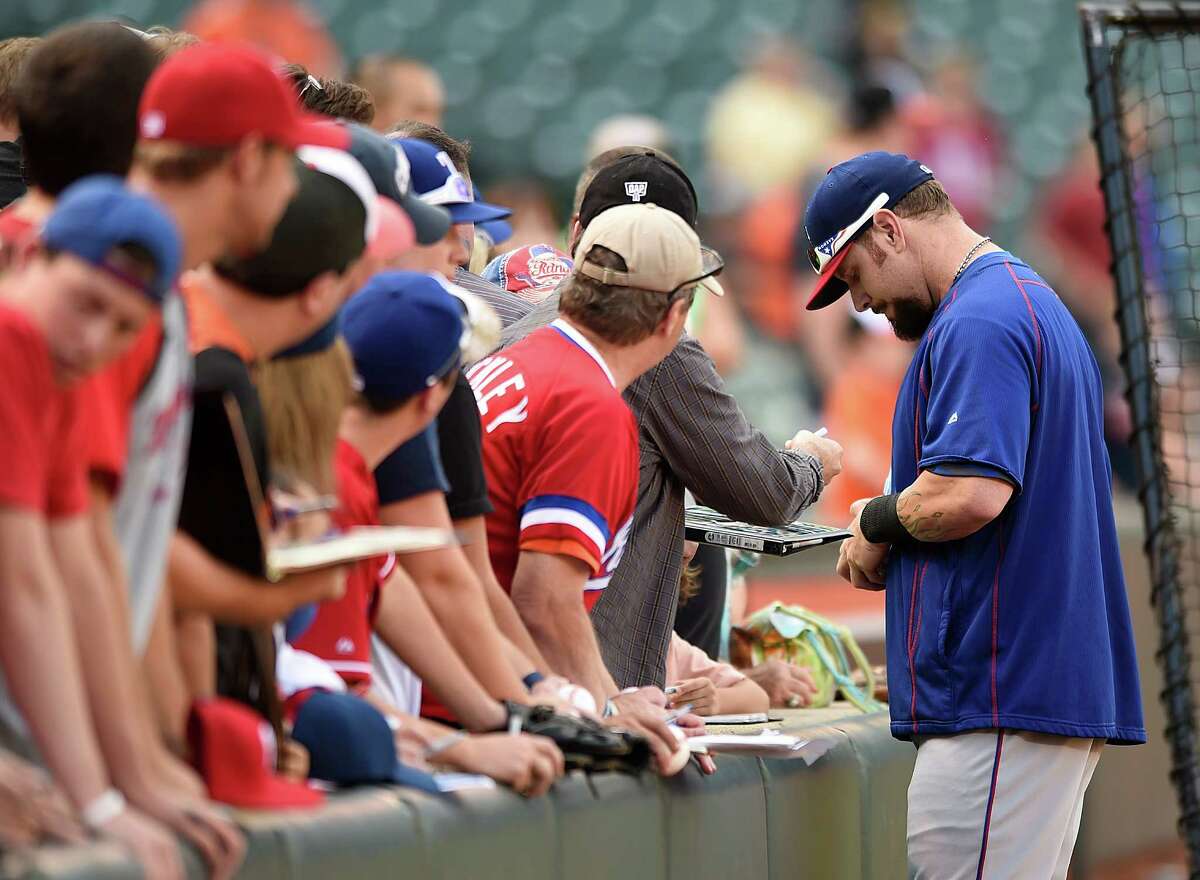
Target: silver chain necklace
point(967, 258)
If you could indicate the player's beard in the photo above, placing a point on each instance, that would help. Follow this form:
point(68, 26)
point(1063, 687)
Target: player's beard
point(911, 319)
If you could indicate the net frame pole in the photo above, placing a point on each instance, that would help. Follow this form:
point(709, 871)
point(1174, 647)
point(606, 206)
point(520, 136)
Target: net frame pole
point(1161, 544)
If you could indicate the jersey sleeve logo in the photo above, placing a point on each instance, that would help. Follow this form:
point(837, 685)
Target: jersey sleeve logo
point(953, 419)
point(568, 517)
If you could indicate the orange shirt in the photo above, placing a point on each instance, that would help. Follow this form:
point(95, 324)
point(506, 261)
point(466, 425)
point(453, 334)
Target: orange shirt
point(209, 326)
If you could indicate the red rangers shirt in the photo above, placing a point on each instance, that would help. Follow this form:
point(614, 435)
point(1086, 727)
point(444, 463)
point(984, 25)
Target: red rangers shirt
point(560, 450)
point(340, 634)
point(42, 462)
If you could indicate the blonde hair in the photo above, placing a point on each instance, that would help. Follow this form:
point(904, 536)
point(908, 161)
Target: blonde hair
point(302, 399)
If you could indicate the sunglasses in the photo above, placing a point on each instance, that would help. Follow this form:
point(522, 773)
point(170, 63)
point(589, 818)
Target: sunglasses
point(818, 259)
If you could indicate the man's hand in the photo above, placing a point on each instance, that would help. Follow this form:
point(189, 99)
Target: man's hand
point(527, 764)
point(219, 841)
point(33, 807)
point(293, 760)
point(824, 450)
point(646, 698)
point(700, 692)
point(788, 686)
point(860, 562)
point(151, 845)
point(641, 717)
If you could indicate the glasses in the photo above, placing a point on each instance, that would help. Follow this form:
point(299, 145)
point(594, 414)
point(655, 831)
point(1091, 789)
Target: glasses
point(819, 259)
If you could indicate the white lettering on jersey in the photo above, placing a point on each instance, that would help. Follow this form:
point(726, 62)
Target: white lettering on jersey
point(518, 413)
point(485, 371)
point(482, 375)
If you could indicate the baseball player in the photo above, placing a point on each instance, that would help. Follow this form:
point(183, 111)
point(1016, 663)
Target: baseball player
point(1010, 653)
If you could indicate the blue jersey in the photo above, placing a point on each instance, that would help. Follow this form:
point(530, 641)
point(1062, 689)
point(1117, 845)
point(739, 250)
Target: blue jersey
point(1025, 624)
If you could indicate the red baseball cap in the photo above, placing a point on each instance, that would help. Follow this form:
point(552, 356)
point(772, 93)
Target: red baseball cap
point(233, 749)
point(216, 94)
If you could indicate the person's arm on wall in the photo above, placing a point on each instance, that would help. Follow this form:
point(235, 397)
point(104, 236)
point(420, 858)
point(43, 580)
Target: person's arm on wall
point(410, 629)
point(547, 591)
point(120, 710)
point(453, 593)
point(474, 532)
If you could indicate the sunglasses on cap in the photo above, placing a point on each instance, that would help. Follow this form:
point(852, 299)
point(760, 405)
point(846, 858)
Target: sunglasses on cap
point(819, 256)
point(712, 263)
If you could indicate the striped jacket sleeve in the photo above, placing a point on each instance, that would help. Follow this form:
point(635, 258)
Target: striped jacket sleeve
point(708, 443)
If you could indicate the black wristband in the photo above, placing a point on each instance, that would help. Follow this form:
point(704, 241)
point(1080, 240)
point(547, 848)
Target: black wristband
point(881, 524)
point(531, 679)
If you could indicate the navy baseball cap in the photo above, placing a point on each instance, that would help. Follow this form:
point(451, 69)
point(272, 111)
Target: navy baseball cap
point(436, 181)
point(349, 742)
point(389, 171)
point(843, 205)
point(98, 213)
point(406, 331)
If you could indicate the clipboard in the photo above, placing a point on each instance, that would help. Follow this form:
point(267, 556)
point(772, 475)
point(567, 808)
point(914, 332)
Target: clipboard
point(706, 526)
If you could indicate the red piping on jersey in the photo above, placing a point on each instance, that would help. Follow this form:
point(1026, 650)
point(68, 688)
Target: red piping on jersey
point(1037, 331)
point(987, 819)
point(913, 634)
point(996, 629)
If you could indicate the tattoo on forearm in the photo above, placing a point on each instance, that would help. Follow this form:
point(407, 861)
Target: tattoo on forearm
point(922, 526)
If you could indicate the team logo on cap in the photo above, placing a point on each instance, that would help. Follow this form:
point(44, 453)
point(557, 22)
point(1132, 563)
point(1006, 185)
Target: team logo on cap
point(153, 124)
point(546, 267)
point(636, 189)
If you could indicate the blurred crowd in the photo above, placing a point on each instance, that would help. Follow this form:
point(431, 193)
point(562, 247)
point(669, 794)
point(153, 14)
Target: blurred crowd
point(293, 500)
point(319, 472)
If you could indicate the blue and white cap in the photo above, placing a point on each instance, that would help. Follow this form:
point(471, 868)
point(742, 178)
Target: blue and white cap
point(436, 181)
point(843, 205)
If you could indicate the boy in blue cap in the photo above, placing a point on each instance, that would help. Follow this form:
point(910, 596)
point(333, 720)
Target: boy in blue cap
point(999, 524)
point(105, 261)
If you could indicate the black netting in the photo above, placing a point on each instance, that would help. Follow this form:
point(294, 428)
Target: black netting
point(1144, 79)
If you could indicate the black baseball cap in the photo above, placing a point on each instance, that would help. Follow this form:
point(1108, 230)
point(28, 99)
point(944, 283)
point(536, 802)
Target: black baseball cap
point(640, 177)
point(649, 178)
point(323, 229)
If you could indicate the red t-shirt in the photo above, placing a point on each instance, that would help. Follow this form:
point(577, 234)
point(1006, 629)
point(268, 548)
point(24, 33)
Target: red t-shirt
point(42, 462)
point(340, 634)
point(560, 450)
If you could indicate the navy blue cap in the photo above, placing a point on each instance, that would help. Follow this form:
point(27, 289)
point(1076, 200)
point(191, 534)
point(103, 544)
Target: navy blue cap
point(389, 172)
point(405, 331)
point(96, 214)
point(843, 206)
point(349, 742)
point(436, 182)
